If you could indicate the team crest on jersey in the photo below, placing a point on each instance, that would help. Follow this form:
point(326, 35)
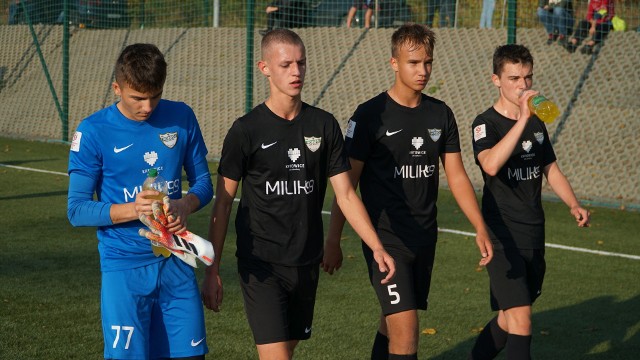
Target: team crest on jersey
point(169, 139)
point(293, 154)
point(539, 136)
point(313, 143)
point(435, 134)
point(150, 157)
point(417, 142)
point(526, 145)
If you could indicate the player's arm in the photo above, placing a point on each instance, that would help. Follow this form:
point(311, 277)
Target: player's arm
point(355, 213)
point(492, 160)
point(226, 189)
point(332, 260)
point(83, 210)
point(465, 196)
point(199, 195)
point(560, 185)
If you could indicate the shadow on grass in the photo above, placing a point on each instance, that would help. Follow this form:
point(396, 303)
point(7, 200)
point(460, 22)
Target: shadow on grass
point(601, 328)
point(32, 196)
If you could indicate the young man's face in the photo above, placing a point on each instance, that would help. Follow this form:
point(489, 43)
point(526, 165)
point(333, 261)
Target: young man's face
point(412, 67)
point(136, 105)
point(285, 65)
point(513, 80)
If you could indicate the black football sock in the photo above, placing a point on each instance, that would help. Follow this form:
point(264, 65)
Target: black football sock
point(403, 357)
point(380, 350)
point(518, 347)
point(490, 342)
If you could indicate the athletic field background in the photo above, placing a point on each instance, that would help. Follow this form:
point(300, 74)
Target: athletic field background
point(213, 69)
point(50, 281)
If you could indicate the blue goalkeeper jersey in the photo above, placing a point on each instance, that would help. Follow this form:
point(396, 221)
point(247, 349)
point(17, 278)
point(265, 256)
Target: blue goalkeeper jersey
point(110, 157)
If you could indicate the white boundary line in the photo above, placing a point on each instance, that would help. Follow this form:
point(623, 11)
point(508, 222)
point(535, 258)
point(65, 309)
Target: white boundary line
point(451, 231)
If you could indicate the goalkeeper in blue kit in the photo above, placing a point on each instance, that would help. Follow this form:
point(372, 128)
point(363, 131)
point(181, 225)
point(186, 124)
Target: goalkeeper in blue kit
point(150, 305)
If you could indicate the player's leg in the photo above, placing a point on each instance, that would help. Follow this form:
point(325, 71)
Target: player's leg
point(276, 315)
point(400, 298)
point(127, 300)
point(402, 328)
point(367, 17)
point(177, 324)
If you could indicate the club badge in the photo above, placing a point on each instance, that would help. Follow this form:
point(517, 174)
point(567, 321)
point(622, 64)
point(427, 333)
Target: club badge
point(313, 143)
point(539, 136)
point(435, 134)
point(169, 139)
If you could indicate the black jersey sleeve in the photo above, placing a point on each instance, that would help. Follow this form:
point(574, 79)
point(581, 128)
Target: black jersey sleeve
point(233, 160)
point(338, 162)
point(483, 135)
point(549, 154)
point(452, 144)
point(358, 138)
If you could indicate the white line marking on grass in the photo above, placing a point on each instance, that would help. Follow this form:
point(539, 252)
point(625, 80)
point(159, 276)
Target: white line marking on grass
point(36, 170)
point(564, 247)
point(451, 231)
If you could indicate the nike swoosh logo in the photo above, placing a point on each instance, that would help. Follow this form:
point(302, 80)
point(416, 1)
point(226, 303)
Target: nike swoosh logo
point(389, 133)
point(116, 150)
point(307, 330)
point(196, 343)
point(268, 146)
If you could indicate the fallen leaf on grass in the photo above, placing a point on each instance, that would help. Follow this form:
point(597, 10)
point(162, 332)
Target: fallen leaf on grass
point(429, 331)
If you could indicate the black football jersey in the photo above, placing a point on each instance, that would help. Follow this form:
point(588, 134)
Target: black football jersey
point(511, 200)
point(401, 148)
point(284, 167)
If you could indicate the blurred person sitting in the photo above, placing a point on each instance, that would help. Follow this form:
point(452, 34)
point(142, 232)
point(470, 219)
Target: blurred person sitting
point(597, 25)
point(367, 6)
point(285, 14)
point(557, 18)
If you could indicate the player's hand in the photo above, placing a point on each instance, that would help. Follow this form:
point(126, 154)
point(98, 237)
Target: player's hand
point(212, 292)
point(386, 264)
point(485, 246)
point(143, 202)
point(332, 259)
point(177, 212)
point(523, 101)
point(582, 216)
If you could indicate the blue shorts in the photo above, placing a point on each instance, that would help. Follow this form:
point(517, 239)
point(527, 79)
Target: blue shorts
point(152, 312)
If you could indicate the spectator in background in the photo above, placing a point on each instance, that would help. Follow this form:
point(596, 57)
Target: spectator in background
point(367, 5)
point(17, 9)
point(557, 18)
point(446, 12)
point(286, 14)
point(486, 17)
point(597, 25)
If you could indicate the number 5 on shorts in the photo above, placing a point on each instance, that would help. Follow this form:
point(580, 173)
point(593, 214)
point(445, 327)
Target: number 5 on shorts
point(393, 294)
point(117, 328)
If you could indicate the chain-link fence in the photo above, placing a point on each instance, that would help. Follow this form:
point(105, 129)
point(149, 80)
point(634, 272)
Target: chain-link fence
point(56, 67)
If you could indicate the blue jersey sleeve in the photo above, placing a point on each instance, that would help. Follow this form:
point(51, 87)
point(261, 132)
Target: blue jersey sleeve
point(200, 182)
point(82, 210)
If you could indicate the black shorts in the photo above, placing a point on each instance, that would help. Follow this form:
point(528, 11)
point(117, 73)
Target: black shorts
point(409, 288)
point(278, 300)
point(515, 277)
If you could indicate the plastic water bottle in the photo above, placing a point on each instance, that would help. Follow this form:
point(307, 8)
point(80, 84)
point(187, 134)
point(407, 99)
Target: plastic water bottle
point(544, 108)
point(157, 183)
